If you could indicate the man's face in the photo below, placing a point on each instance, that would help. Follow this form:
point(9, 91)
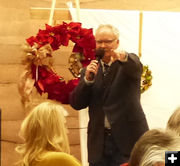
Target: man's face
point(105, 39)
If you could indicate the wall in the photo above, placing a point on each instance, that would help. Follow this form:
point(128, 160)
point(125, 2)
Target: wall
point(16, 25)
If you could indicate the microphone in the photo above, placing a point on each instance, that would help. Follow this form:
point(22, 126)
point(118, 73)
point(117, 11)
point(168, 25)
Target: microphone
point(99, 53)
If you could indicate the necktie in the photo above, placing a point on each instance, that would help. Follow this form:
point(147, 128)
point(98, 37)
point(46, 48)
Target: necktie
point(106, 122)
point(106, 67)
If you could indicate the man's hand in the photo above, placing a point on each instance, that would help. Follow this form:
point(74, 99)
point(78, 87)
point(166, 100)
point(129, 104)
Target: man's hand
point(118, 55)
point(91, 68)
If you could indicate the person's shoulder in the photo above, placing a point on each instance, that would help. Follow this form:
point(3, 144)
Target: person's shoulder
point(60, 158)
point(56, 155)
point(133, 55)
point(134, 58)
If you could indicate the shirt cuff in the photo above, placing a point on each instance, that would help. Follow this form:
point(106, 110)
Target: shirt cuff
point(87, 81)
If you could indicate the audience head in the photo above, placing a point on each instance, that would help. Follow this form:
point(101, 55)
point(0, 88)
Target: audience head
point(43, 130)
point(150, 149)
point(174, 122)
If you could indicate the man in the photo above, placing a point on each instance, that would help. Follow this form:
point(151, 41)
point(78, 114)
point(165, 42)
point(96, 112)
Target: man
point(150, 149)
point(116, 118)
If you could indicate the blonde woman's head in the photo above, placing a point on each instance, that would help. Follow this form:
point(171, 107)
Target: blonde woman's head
point(43, 130)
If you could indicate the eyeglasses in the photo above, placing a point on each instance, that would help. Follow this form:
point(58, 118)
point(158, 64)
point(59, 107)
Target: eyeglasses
point(105, 41)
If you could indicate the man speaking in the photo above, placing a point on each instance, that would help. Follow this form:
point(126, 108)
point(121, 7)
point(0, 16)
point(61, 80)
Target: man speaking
point(110, 89)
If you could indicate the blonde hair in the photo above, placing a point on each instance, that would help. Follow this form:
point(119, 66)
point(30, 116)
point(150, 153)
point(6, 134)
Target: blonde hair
point(173, 123)
point(112, 28)
point(43, 130)
point(151, 147)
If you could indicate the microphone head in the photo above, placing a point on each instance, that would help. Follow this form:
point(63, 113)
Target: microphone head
point(99, 53)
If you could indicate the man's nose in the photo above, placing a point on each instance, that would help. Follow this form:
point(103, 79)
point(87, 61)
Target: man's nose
point(103, 45)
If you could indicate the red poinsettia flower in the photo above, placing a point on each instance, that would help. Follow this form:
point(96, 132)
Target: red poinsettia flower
point(72, 84)
point(57, 88)
point(88, 40)
point(64, 97)
point(77, 48)
point(65, 37)
point(31, 40)
point(62, 31)
point(44, 38)
point(74, 29)
point(86, 32)
point(49, 28)
point(59, 91)
point(75, 26)
point(85, 62)
point(89, 54)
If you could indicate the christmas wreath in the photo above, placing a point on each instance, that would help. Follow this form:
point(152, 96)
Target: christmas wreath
point(38, 60)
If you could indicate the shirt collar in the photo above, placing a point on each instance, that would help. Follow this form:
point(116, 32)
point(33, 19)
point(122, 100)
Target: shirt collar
point(102, 63)
point(109, 64)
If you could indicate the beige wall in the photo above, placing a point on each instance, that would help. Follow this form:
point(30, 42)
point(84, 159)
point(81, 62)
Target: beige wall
point(16, 25)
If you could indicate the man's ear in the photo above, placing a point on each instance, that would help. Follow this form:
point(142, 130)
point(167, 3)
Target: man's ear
point(118, 41)
point(117, 45)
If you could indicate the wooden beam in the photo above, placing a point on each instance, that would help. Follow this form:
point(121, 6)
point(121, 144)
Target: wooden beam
point(140, 33)
point(78, 10)
point(51, 16)
point(43, 13)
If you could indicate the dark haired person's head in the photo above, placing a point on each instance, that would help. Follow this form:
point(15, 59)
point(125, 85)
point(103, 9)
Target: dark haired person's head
point(150, 149)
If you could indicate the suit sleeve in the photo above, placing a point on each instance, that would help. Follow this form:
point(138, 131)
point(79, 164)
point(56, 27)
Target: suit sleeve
point(133, 67)
point(80, 96)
